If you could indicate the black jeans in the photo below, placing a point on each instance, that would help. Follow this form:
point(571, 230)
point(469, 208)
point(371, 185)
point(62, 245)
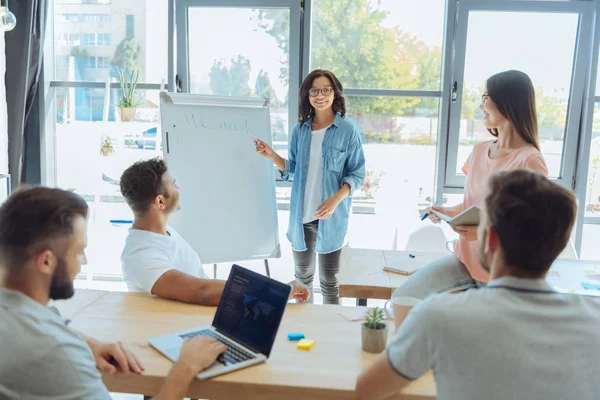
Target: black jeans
point(329, 266)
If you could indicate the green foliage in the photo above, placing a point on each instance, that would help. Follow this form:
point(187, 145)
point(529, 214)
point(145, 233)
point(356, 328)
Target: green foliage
point(233, 80)
point(350, 39)
point(551, 114)
point(78, 52)
point(263, 88)
point(107, 143)
point(126, 55)
point(471, 100)
point(596, 122)
point(375, 318)
point(128, 79)
point(592, 177)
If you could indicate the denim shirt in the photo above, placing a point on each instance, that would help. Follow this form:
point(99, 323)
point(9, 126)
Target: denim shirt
point(343, 162)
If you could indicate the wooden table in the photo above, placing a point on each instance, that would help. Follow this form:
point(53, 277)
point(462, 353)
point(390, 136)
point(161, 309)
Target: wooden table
point(79, 302)
point(362, 275)
point(328, 371)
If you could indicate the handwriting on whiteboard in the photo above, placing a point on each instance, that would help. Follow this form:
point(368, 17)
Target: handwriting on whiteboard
point(200, 121)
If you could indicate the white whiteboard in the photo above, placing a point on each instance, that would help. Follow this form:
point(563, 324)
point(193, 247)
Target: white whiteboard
point(227, 191)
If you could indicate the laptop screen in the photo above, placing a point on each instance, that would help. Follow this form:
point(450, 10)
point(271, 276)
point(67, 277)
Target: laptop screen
point(251, 308)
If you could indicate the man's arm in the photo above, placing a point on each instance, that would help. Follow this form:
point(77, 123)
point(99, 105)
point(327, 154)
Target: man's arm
point(112, 357)
point(179, 286)
point(177, 383)
point(196, 355)
point(379, 380)
point(409, 355)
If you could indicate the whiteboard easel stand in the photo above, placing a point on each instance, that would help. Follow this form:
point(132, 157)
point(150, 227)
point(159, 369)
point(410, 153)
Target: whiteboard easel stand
point(168, 100)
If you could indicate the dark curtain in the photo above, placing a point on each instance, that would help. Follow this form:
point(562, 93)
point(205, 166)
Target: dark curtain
point(24, 56)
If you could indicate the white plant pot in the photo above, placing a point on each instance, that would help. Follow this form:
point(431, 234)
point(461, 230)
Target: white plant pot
point(127, 114)
point(374, 340)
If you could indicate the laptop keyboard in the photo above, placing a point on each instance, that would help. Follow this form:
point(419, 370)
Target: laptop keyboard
point(234, 353)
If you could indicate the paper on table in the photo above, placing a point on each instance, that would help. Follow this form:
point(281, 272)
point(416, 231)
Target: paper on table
point(593, 273)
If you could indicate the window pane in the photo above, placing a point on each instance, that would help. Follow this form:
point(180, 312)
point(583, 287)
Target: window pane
point(534, 42)
point(400, 145)
point(388, 44)
point(126, 33)
point(592, 198)
point(591, 227)
point(251, 57)
point(91, 165)
point(598, 80)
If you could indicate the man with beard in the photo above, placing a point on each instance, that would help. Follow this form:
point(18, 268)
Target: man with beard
point(517, 338)
point(42, 247)
point(156, 259)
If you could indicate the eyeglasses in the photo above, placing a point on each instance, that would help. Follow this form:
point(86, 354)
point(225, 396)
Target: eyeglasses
point(484, 97)
point(314, 92)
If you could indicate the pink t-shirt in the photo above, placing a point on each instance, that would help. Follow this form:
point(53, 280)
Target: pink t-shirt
point(478, 168)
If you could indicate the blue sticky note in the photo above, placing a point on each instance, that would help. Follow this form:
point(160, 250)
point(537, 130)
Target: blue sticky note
point(295, 336)
point(590, 286)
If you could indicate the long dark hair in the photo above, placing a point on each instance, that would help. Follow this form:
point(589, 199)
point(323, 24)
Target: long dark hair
point(305, 110)
point(513, 93)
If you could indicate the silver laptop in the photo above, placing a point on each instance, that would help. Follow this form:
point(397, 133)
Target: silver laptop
point(246, 322)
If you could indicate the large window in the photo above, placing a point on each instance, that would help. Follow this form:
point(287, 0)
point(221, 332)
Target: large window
point(388, 44)
point(93, 146)
point(251, 57)
point(543, 46)
point(398, 61)
point(385, 54)
point(591, 227)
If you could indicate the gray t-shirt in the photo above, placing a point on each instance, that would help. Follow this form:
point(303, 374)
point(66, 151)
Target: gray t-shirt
point(40, 357)
point(514, 339)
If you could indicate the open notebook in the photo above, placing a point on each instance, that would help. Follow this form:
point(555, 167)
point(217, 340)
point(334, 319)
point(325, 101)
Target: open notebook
point(468, 217)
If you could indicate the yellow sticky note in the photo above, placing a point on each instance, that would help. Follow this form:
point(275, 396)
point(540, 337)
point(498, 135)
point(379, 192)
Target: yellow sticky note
point(305, 344)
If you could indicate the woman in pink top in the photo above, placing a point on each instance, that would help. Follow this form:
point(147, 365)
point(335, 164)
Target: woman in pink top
point(509, 114)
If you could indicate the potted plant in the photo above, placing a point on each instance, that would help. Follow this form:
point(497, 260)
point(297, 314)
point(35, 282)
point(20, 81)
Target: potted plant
point(128, 79)
point(107, 147)
point(374, 331)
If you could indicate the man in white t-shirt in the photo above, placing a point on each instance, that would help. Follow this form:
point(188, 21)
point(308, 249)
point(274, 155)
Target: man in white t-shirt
point(517, 338)
point(156, 259)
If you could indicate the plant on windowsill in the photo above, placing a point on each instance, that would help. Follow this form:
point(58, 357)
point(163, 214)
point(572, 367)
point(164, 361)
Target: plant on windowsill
point(128, 79)
point(374, 331)
point(107, 147)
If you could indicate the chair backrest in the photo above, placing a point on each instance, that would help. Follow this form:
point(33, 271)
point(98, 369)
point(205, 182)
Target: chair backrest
point(427, 238)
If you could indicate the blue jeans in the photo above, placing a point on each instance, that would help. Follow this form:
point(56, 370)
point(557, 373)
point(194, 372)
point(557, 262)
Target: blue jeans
point(446, 274)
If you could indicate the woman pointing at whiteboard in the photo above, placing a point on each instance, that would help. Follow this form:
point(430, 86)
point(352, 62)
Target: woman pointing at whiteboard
point(327, 164)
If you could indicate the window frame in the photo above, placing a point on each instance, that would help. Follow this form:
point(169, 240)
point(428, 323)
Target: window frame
point(578, 77)
point(576, 153)
point(180, 53)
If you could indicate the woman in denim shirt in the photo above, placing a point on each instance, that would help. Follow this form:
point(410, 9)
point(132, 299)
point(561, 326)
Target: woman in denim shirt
point(327, 164)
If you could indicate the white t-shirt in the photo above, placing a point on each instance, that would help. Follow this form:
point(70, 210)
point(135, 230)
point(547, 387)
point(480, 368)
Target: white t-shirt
point(314, 176)
point(148, 255)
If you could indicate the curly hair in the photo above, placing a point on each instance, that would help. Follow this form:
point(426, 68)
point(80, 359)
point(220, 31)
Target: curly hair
point(141, 183)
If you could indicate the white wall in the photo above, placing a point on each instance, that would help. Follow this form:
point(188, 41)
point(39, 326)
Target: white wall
point(3, 116)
